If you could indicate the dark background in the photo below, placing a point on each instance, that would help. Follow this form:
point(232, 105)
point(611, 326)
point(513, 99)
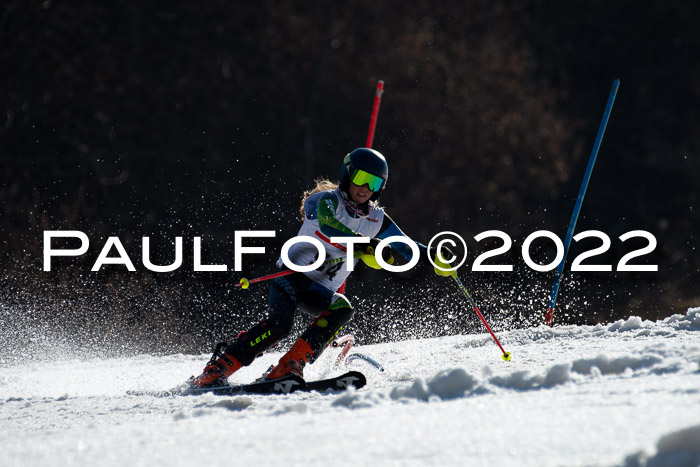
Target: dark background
point(135, 119)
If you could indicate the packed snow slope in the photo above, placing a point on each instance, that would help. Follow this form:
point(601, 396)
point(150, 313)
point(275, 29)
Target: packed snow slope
point(626, 393)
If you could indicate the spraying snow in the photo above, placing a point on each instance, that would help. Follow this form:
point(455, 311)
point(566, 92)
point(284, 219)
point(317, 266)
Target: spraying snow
point(625, 393)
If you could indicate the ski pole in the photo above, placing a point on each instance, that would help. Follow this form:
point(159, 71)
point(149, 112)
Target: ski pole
point(245, 283)
point(375, 113)
point(506, 355)
point(549, 316)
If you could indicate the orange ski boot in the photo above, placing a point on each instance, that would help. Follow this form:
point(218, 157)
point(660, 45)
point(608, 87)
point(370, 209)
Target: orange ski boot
point(217, 371)
point(293, 362)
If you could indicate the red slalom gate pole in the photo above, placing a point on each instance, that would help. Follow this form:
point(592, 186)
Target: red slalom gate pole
point(375, 113)
point(370, 132)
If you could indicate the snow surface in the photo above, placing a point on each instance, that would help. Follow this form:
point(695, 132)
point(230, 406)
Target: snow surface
point(627, 393)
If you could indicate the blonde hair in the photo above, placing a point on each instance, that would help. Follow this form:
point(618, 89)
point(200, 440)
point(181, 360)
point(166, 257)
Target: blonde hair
point(322, 184)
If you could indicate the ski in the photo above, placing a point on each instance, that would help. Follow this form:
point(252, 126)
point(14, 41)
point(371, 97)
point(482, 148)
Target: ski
point(338, 383)
point(284, 385)
point(288, 384)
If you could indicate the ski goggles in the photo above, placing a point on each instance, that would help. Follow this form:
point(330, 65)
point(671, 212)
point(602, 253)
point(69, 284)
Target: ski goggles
point(360, 177)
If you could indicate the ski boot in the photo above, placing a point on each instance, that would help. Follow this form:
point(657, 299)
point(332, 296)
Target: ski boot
point(293, 362)
point(218, 369)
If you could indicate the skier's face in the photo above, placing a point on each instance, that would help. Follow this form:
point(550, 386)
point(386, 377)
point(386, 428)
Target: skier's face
point(360, 194)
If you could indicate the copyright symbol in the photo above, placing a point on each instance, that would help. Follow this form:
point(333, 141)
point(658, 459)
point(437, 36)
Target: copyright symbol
point(446, 238)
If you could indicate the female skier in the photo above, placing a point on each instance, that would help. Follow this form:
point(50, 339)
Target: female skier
point(329, 210)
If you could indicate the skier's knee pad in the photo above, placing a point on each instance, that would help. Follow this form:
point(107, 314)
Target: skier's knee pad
point(328, 324)
point(341, 308)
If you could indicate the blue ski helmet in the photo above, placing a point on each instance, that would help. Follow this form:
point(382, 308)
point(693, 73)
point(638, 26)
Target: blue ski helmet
point(364, 165)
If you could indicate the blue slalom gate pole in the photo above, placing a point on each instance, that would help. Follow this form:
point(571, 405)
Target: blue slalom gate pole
point(579, 201)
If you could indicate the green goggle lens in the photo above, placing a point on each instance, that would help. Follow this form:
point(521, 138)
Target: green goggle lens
point(360, 177)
